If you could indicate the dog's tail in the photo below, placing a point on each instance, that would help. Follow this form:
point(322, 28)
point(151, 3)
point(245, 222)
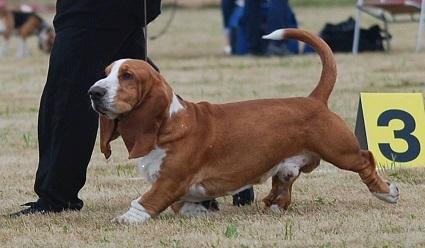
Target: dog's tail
point(328, 77)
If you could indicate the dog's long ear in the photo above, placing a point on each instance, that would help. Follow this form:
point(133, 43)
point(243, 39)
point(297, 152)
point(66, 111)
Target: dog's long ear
point(140, 127)
point(108, 132)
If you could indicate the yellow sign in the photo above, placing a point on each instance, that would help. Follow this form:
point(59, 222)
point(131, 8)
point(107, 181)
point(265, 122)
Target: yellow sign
point(392, 127)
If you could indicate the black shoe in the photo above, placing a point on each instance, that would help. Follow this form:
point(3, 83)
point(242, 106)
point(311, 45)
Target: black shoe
point(33, 208)
point(243, 198)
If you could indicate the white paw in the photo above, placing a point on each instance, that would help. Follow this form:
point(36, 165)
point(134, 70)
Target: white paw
point(276, 209)
point(190, 209)
point(135, 215)
point(391, 197)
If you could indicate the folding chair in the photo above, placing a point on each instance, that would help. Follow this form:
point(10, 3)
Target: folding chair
point(387, 11)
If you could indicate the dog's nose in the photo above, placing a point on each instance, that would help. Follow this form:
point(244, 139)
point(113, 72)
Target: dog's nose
point(97, 92)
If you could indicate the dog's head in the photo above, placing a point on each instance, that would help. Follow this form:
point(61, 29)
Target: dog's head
point(46, 38)
point(132, 102)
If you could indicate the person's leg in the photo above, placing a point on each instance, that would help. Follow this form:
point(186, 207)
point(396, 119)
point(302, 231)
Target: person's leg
point(280, 16)
point(67, 124)
point(277, 17)
point(243, 198)
point(227, 8)
point(252, 25)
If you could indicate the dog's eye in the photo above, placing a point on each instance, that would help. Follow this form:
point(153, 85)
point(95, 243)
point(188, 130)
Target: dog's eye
point(127, 76)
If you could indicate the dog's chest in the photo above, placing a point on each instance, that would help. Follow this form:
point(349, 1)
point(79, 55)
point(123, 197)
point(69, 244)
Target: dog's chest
point(150, 165)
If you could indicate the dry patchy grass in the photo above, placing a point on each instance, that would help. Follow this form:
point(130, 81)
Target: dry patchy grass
point(331, 208)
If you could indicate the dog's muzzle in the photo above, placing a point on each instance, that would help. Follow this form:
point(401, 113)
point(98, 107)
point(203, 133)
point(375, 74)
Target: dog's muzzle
point(97, 94)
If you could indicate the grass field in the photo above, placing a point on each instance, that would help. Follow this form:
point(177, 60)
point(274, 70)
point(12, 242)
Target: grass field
point(331, 208)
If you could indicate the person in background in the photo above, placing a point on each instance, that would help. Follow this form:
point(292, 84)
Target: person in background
point(253, 23)
point(233, 11)
point(254, 18)
point(280, 15)
point(227, 8)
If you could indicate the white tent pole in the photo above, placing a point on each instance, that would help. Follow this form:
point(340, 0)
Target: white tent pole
point(421, 28)
point(357, 27)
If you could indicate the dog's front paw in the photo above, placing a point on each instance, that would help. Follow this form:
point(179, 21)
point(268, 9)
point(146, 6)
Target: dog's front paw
point(135, 215)
point(391, 197)
point(126, 219)
point(129, 219)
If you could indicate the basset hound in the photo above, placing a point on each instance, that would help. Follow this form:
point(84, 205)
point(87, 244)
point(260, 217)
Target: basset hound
point(191, 152)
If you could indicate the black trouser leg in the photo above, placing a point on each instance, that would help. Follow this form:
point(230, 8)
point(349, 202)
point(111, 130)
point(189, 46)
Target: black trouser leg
point(67, 125)
point(243, 198)
point(252, 24)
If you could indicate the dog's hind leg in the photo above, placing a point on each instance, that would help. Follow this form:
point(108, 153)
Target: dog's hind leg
point(342, 149)
point(364, 164)
point(280, 195)
point(371, 177)
point(25, 31)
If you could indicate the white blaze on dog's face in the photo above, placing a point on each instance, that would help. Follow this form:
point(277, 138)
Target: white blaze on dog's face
point(121, 90)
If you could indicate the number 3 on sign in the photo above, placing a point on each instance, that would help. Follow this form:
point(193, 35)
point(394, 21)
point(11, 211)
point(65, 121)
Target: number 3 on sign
point(392, 126)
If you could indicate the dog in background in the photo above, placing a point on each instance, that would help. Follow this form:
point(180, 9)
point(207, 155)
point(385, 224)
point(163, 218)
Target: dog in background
point(24, 23)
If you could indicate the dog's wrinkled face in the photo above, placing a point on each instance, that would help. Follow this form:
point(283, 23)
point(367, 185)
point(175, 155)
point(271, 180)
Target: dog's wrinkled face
point(133, 101)
point(121, 90)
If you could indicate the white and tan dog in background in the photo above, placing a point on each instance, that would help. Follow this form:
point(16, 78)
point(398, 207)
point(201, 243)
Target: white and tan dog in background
point(24, 23)
point(191, 152)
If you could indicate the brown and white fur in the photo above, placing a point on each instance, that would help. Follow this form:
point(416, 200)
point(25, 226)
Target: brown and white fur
point(192, 152)
point(46, 34)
